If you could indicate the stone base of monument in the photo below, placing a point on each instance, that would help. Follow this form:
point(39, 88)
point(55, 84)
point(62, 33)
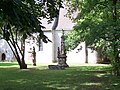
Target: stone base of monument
point(65, 65)
point(56, 67)
point(62, 61)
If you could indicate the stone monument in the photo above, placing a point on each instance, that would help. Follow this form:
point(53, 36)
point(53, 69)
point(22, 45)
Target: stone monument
point(34, 57)
point(62, 57)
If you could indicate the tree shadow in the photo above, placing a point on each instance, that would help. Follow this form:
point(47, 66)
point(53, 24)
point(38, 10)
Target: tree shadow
point(69, 79)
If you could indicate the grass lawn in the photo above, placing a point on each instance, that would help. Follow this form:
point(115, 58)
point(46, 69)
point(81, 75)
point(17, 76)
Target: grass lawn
point(76, 77)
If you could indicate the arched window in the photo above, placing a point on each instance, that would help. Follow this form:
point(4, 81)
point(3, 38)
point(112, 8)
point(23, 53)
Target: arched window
point(3, 57)
point(40, 45)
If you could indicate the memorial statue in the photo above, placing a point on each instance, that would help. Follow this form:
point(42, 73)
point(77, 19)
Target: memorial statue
point(62, 53)
point(34, 57)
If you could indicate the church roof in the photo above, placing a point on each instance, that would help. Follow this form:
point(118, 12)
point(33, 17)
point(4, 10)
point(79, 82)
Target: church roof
point(64, 22)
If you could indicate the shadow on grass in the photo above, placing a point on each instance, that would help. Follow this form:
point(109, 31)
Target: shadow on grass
point(73, 78)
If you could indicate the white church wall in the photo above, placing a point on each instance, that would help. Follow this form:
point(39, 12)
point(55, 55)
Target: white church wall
point(92, 56)
point(4, 48)
point(42, 56)
point(76, 56)
point(79, 57)
point(45, 56)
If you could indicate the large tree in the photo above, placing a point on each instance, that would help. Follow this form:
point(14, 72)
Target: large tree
point(97, 25)
point(22, 18)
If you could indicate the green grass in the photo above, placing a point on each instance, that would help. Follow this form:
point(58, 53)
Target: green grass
point(76, 77)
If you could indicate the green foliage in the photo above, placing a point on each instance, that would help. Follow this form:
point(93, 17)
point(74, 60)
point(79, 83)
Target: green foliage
point(22, 18)
point(97, 26)
point(25, 15)
point(72, 40)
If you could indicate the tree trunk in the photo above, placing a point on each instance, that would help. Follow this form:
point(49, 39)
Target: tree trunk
point(23, 65)
point(17, 51)
point(99, 55)
point(116, 61)
point(86, 53)
point(115, 48)
point(20, 62)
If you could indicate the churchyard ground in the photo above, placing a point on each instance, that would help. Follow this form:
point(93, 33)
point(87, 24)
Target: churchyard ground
point(76, 77)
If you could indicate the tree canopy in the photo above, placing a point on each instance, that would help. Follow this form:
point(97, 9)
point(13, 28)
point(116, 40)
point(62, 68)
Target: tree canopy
point(26, 14)
point(97, 25)
point(23, 18)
